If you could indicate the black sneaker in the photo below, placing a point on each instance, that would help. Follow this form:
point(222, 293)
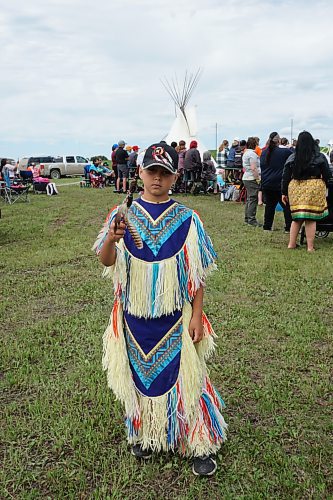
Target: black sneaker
point(204, 466)
point(139, 452)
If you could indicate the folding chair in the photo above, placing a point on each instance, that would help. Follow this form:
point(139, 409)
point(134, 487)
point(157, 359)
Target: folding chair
point(26, 177)
point(85, 182)
point(14, 191)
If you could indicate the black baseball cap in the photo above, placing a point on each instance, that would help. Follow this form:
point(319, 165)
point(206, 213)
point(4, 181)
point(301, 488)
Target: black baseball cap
point(161, 155)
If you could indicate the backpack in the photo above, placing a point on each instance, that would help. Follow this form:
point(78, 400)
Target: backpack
point(51, 189)
point(132, 160)
point(228, 192)
point(235, 194)
point(196, 188)
point(204, 170)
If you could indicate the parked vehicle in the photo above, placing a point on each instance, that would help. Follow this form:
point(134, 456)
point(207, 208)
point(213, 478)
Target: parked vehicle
point(56, 166)
point(9, 160)
point(27, 161)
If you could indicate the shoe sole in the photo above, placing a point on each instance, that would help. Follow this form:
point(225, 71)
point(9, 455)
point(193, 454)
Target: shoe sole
point(208, 474)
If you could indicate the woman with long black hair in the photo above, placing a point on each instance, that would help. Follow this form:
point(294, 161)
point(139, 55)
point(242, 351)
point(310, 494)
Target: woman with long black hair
point(305, 177)
point(272, 161)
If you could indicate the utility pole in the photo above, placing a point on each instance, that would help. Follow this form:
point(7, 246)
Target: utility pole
point(216, 126)
point(291, 131)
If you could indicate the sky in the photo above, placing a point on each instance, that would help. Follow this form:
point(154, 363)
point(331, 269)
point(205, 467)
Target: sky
point(77, 75)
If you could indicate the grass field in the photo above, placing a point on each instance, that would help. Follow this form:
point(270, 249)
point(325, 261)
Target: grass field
point(62, 432)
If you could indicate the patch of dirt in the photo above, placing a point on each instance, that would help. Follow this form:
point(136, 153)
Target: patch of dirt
point(15, 393)
point(58, 222)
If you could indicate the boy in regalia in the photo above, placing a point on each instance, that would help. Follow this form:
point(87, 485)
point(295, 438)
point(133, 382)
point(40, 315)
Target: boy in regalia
point(158, 338)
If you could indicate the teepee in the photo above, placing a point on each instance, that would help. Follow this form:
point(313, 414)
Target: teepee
point(185, 125)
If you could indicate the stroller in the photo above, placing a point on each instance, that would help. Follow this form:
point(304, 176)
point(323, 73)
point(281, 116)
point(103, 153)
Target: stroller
point(324, 226)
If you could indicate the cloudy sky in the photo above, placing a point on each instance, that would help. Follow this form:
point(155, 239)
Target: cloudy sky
point(77, 75)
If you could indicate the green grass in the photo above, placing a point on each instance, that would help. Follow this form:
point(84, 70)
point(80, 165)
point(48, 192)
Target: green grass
point(62, 434)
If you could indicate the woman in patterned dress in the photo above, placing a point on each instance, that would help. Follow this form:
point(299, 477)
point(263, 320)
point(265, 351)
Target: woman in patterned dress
point(305, 177)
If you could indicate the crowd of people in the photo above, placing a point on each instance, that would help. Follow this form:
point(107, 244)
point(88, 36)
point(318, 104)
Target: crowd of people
point(295, 176)
point(194, 174)
point(264, 176)
point(261, 173)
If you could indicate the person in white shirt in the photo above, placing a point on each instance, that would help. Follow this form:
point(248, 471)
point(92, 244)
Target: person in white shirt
point(251, 180)
point(11, 169)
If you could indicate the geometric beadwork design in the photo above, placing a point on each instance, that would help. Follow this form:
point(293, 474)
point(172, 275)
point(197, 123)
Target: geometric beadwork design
point(156, 232)
point(149, 366)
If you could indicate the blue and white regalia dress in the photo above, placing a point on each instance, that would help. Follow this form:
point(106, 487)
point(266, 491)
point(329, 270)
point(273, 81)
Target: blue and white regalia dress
point(152, 365)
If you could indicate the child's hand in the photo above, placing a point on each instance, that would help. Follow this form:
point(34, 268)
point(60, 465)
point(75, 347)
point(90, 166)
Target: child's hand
point(196, 329)
point(114, 235)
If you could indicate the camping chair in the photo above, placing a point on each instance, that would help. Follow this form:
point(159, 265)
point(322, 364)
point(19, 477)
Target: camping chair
point(96, 180)
point(14, 191)
point(85, 181)
point(26, 177)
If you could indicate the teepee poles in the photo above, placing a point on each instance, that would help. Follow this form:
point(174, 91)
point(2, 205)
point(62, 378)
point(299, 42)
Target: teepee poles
point(181, 94)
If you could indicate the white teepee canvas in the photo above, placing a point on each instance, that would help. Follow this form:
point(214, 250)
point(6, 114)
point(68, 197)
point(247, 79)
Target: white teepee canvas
point(185, 125)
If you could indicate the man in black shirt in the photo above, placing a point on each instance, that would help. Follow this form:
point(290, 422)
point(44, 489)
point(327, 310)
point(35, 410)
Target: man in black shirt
point(121, 158)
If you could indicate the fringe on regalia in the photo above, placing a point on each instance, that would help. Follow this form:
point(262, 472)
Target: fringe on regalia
point(187, 417)
point(152, 289)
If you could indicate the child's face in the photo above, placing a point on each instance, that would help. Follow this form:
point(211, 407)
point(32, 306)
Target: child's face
point(157, 181)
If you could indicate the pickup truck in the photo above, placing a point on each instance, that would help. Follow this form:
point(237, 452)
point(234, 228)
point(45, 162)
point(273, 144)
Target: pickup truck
point(63, 165)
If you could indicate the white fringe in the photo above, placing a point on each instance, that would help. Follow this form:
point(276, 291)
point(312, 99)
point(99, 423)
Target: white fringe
point(168, 291)
point(115, 363)
point(153, 411)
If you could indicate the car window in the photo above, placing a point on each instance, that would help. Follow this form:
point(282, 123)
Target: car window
point(70, 159)
point(46, 159)
point(80, 159)
point(57, 159)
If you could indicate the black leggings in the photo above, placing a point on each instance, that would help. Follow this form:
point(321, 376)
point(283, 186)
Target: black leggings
point(271, 199)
